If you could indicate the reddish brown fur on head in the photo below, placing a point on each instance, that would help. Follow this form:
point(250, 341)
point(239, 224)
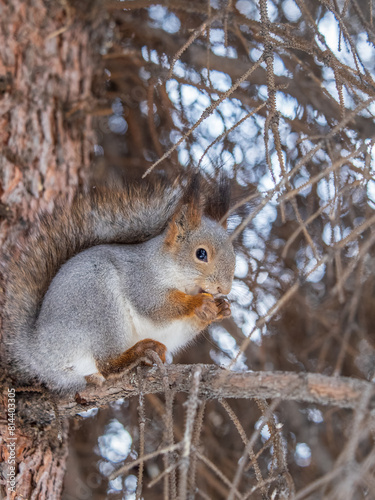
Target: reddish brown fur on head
point(202, 197)
point(189, 214)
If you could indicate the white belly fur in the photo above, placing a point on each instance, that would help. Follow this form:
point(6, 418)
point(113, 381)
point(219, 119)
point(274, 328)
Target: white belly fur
point(173, 335)
point(82, 365)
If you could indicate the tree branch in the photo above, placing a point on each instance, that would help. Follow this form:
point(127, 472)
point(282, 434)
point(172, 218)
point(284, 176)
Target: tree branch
point(219, 383)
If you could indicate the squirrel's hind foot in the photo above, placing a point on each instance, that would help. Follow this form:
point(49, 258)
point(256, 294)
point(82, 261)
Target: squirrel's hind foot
point(137, 354)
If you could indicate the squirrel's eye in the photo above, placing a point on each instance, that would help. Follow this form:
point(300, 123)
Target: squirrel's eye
point(201, 254)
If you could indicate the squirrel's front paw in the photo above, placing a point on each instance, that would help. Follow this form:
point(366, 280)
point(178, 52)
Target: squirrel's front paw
point(223, 307)
point(211, 309)
point(206, 310)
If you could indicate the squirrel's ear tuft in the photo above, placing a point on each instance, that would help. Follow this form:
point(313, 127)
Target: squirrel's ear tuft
point(192, 201)
point(218, 200)
point(189, 214)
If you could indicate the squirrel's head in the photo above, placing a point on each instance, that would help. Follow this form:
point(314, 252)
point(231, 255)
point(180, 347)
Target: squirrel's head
point(198, 243)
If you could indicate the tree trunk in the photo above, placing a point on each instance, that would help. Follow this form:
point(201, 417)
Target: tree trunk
point(47, 59)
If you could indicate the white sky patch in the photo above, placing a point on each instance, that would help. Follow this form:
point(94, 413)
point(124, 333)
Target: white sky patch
point(267, 182)
point(262, 277)
point(239, 314)
point(230, 112)
point(116, 484)
point(203, 102)
point(224, 340)
point(144, 74)
point(164, 19)
point(220, 81)
point(189, 94)
point(301, 179)
point(287, 105)
point(371, 110)
point(216, 36)
point(105, 468)
point(144, 51)
point(117, 124)
point(315, 415)
point(196, 152)
point(89, 413)
point(228, 162)
point(241, 294)
point(272, 11)
point(287, 276)
point(248, 9)
point(154, 56)
point(265, 302)
point(251, 239)
point(263, 221)
point(302, 455)
point(317, 274)
point(329, 28)
point(183, 157)
point(326, 188)
point(278, 66)
point(327, 234)
point(157, 12)
point(250, 320)
point(329, 82)
point(217, 44)
point(172, 89)
point(131, 483)
point(257, 253)
point(116, 443)
point(365, 49)
point(221, 50)
point(129, 496)
point(214, 125)
point(175, 135)
point(265, 432)
point(242, 267)
point(249, 130)
point(352, 249)
point(179, 69)
point(255, 335)
point(263, 92)
point(332, 235)
point(291, 10)
point(238, 154)
point(255, 54)
point(228, 345)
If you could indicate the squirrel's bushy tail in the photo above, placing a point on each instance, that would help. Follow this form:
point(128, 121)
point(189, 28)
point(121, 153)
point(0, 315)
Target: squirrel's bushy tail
point(132, 215)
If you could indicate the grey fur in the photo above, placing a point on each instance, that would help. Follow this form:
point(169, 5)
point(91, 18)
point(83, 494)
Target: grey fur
point(107, 297)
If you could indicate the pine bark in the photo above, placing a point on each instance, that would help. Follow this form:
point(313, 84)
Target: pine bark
point(47, 64)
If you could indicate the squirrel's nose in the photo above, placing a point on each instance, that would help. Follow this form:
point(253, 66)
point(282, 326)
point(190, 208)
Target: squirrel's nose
point(224, 290)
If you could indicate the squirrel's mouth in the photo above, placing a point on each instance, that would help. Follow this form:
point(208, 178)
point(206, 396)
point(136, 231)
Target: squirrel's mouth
point(198, 289)
point(195, 290)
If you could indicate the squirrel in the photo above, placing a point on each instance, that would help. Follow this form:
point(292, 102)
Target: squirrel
point(114, 274)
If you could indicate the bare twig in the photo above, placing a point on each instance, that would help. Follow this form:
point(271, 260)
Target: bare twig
point(192, 405)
